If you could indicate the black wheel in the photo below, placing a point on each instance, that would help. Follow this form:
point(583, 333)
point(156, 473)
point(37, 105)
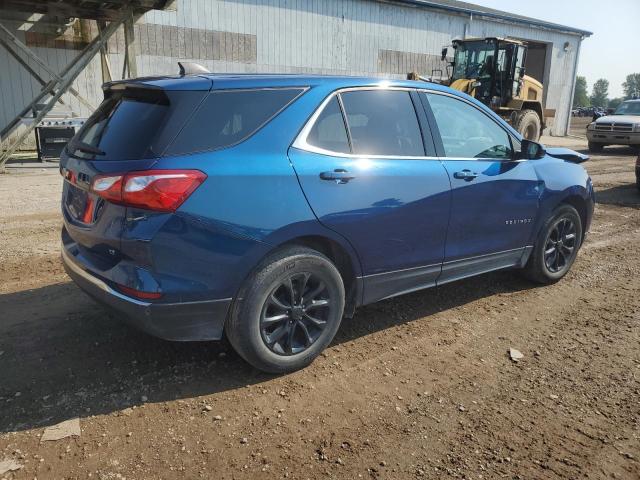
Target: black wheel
point(529, 125)
point(595, 147)
point(288, 311)
point(556, 247)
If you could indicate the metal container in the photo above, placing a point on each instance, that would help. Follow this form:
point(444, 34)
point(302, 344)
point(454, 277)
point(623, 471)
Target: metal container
point(53, 134)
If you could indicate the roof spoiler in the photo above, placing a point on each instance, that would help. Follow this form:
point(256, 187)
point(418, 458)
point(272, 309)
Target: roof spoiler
point(191, 68)
point(119, 85)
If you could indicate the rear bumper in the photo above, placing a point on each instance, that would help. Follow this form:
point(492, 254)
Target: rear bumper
point(613, 138)
point(186, 321)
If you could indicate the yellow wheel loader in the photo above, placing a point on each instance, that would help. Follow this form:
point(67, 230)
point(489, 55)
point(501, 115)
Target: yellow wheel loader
point(492, 71)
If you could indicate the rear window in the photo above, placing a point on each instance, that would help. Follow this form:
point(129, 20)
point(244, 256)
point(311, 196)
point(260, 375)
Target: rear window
point(227, 117)
point(134, 124)
point(329, 131)
point(148, 123)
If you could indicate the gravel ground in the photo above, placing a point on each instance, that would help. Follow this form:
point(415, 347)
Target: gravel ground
point(420, 386)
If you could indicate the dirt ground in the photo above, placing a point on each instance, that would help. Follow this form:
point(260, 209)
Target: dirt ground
point(420, 386)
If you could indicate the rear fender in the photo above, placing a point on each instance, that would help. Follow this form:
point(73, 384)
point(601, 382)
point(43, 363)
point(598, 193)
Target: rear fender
point(313, 229)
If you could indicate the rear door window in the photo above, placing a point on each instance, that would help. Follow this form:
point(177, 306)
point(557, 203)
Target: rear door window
point(329, 131)
point(134, 124)
point(383, 122)
point(227, 117)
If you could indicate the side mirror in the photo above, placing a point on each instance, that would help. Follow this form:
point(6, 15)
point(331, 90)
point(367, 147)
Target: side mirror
point(531, 150)
point(567, 155)
point(444, 52)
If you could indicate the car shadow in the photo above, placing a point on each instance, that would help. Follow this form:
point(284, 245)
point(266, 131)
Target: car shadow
point(63, 356)
point(622, 195)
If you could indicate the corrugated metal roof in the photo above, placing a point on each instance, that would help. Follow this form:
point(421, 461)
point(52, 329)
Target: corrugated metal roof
point(471, 8)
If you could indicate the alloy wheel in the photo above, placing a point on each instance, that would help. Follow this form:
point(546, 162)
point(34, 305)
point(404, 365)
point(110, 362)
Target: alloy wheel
point(295, 314)
point(560, 245)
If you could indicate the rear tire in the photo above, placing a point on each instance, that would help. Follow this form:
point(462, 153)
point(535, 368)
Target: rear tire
point(288, 311)
point(595, 147)
point(529, 125)
point(556, 247)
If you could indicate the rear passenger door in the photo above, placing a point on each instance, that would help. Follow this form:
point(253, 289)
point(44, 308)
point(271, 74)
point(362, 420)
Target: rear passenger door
point(366, 162)
point(494, 196)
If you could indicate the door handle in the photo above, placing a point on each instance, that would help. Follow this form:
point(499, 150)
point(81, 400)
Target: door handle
point(339, 175)
point(465, 175)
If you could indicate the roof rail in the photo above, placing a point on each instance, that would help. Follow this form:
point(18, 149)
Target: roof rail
point(191, 68)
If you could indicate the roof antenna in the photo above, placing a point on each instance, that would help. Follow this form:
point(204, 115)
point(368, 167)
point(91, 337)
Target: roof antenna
point(191, 68)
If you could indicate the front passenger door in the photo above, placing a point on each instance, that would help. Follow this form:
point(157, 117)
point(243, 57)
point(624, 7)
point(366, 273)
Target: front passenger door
point(494, 197)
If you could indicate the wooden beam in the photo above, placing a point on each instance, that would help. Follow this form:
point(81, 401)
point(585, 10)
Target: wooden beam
point(26, 66)
point(43, 65)
point(68, 77)
point(8, 128)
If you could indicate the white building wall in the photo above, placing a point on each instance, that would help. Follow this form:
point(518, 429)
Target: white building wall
point(291, 36)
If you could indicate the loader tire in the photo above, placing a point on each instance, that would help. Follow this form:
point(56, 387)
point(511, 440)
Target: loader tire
point(528, 125)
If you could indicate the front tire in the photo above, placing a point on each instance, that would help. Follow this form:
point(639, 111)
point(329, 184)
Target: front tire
point(556, 247)
point(595, 147)
point(288, 311)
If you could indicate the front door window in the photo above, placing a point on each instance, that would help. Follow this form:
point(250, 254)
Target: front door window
point(466, 132)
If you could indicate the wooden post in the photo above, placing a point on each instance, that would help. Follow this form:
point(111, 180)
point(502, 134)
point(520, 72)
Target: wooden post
point(130, 46)
point(104, 58)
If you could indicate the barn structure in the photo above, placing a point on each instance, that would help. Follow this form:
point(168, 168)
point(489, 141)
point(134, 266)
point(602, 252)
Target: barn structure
point(41, 39)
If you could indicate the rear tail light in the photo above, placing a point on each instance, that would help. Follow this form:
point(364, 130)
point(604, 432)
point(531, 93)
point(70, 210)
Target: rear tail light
point(132, 292)
point(159, 190)
point(108, 187)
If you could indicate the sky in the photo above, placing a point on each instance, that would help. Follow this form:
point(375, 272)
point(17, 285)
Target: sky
point(612, 52)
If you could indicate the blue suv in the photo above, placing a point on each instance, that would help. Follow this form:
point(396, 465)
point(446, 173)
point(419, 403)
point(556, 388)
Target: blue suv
point(265, 208)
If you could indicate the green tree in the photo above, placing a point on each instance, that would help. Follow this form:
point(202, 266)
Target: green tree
point(600, 93)
point(632, 86)
point(615, 102)
point(580, 94)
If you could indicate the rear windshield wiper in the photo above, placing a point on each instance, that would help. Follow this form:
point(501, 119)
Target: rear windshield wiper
point(84, 147)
